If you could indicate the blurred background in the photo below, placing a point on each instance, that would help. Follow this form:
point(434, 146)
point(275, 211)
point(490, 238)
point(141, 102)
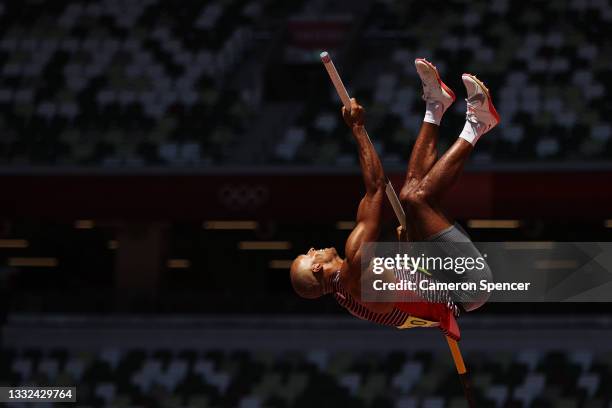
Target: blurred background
point(161, 163)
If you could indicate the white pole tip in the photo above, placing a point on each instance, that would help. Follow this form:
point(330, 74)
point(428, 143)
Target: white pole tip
point(325, 57)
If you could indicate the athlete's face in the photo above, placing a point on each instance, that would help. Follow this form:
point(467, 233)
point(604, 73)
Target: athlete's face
point(310, 271)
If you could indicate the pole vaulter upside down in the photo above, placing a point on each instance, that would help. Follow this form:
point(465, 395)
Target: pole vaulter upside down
point(322, 271)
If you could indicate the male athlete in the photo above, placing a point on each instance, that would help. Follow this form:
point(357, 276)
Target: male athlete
point(323, 271)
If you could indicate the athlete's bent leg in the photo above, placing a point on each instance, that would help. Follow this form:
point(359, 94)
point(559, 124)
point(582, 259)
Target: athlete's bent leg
point(481, 117)
point(438, 97)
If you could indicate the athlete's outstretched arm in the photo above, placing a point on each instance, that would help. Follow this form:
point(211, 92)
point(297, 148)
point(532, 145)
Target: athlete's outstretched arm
point(371, 168)
point(370, 208)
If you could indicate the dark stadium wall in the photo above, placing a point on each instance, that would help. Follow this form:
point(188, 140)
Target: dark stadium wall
point(271, 196)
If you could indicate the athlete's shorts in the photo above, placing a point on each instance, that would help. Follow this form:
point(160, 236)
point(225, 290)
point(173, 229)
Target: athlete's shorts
point(456, 234)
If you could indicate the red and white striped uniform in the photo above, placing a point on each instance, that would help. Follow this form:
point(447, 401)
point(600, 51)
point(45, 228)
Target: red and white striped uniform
point(434, 309)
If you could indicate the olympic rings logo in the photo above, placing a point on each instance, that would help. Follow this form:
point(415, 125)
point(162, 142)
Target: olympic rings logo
point(242, 196)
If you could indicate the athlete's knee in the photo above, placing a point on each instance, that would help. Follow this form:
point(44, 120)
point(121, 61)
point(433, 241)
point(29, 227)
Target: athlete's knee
point(412, 195)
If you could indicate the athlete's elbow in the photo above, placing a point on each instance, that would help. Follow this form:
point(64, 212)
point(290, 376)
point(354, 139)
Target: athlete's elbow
point(377, 186)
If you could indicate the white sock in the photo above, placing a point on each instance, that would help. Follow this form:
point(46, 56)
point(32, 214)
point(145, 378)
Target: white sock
point(433, 112)
point(470, 132)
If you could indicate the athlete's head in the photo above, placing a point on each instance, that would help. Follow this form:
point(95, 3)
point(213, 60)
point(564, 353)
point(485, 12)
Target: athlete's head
point(311, 271)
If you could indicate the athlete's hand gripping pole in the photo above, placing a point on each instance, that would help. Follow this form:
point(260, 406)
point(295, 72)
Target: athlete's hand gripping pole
point(346, 101)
